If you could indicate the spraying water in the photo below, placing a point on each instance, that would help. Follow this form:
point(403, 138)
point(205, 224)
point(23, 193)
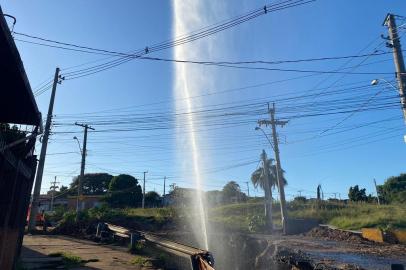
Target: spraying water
point(188, 82)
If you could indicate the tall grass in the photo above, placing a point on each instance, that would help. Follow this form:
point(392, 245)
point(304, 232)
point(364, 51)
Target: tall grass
point(346, 216)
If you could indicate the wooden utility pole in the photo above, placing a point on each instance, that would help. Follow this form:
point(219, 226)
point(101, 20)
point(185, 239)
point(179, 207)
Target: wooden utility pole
point(82, 166)
point(53, 190)
point(279, 173)
point(377, 193)
point(143, 192)
point(394, 43)
point(248, 188)
point(41, 162)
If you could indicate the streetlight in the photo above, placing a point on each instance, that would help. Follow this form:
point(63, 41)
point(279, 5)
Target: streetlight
point(266, 136)
point(376, 82)
point(76, 138)
point(77, 198)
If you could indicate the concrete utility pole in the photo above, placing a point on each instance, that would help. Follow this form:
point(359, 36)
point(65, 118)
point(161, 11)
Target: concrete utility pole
point(394, 43)
point(163, 197)
point(377, 193)
point(53, 190)
point(41, 163)
point(143, 191)
point(248, 188)
point(82, 166)
point(279, 174)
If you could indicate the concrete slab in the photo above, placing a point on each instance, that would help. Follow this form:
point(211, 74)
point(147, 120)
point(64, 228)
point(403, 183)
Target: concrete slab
point(37, 247)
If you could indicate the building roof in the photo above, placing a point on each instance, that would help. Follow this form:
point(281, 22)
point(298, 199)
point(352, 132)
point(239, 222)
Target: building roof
point(87, 196)
point(17, 103)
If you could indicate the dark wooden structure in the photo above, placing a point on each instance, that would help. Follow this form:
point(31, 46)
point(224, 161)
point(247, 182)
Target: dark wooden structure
point(17, 162)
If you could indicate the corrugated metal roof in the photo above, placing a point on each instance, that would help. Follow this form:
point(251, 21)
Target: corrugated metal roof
point(17, 103)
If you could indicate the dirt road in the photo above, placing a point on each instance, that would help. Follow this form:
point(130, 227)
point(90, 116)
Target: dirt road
point(36, 249)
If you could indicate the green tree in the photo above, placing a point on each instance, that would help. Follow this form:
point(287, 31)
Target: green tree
point(259, 178)
point(394, 189)
point(64, 191)
point(93, 183)
point(11, 134)
point(152, 199)
point(232, 193)
point(124, 191)
point(356, 194)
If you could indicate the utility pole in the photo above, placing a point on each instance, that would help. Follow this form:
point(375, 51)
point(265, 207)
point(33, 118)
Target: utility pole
point(318, 193)
point(82, 166)
point(53, 190)
point(377, 193)
point(143, 192)
point(279, 174)
point(394, 43)
point(41, 162)
point(163, 197)
point(248, 188)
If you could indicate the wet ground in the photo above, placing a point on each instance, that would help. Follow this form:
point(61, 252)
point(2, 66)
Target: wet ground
point(330, 254)
point(316, 250)
point(319, 249)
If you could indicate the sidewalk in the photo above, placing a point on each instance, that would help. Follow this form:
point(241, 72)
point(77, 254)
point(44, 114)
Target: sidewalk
point(36, 248)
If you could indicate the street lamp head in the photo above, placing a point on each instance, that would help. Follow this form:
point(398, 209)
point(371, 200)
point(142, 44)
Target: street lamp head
point(375, 82)
point(257, 128)
point(75, 138)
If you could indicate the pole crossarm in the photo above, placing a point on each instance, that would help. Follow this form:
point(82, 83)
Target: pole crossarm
point(265, 122)
point(84, 125)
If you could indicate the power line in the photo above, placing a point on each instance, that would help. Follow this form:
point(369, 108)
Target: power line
point(169, 44)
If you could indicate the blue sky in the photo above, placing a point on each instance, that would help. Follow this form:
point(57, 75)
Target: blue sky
point(330, 150)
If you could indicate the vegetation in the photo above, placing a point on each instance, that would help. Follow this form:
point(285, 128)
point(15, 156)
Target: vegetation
point(232, 193)
point(267, 173)
point(394, 189)
point(142, 261)
point(93, 183)
point(11, 134)
point(69, 260)
point(152, 199)
point(258, 177)
point(124, 191)
point(250, 216)
point(356, 194)
point(360, 211)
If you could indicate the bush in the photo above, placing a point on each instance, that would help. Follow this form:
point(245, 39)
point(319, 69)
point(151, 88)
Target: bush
point(256, 223)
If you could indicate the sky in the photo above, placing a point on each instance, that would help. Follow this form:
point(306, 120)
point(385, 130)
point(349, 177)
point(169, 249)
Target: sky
point(142, 119)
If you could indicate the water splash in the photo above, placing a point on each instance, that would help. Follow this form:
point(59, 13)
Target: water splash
point(189, 81)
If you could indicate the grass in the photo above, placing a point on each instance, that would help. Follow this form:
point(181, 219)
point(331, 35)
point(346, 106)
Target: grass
point(242, 217)
point(138, 248)
point(346, 216)
point(142, 261)
point(70, 260)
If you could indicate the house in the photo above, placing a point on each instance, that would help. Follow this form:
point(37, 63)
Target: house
point(86, 201)
point(17, 159)
point(46, 203)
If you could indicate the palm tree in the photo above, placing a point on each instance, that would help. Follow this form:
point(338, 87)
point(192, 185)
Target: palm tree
point(259, 178)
